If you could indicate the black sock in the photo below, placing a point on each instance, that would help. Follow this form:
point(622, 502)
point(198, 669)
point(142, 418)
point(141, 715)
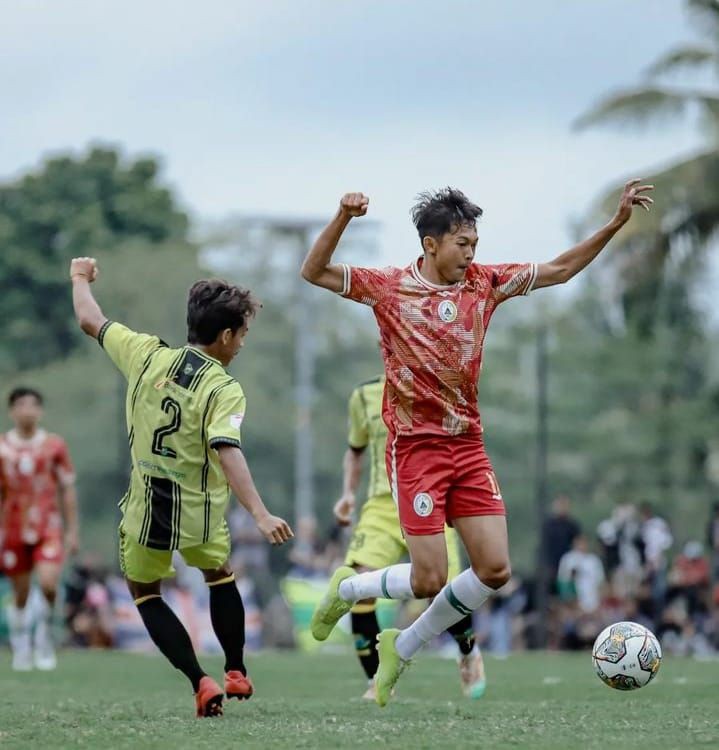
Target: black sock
point(365, 630)
point(228, 621)
point(171, 638)
point(463, 633)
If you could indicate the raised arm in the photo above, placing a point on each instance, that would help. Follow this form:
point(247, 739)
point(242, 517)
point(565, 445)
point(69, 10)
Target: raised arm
point(351, 473)
point(317, 268)
point(83, 271)
point(234, 466)
point(570, 263)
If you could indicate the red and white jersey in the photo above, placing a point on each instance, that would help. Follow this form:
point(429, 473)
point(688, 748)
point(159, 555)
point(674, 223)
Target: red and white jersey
point(432, 338)
point(31, 471)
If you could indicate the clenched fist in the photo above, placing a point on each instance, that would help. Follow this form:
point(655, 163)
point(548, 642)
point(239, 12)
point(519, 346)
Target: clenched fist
point(343, 510)
point(354, 204)
point(84, 267)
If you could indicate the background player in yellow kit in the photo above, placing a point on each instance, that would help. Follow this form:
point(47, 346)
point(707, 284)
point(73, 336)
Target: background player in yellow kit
point(377, 540)
point(184, 414)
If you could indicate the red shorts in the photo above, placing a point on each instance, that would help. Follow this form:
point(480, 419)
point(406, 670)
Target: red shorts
point(436, 479)
point(17, 558)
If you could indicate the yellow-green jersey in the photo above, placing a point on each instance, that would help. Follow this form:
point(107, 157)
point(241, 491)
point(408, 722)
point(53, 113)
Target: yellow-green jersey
point(367, 430)
point(181, 405)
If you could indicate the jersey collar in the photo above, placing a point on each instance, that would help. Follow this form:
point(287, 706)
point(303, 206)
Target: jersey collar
point(415, 270)
point(202, 354)
point(16, 439)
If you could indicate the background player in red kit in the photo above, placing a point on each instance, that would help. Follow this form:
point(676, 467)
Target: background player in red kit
point(35, 470)
point(433, 316)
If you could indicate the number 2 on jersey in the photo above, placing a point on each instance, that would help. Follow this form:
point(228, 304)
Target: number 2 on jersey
point(171, 407)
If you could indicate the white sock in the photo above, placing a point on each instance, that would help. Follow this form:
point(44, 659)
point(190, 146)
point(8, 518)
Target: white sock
point(43, 632)
point(457, 599)
point(19, 626)
point(387, 583)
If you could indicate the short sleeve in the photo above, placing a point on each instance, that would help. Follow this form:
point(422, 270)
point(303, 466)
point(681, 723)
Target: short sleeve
point(366, 285)
point(125, 347)
point(358, 432)
point(512, 279)
point(64, 470)
point(226, 417)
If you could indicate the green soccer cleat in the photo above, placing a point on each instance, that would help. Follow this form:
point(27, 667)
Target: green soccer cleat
point(471, 675)
point(332, 606)
point(391, 665)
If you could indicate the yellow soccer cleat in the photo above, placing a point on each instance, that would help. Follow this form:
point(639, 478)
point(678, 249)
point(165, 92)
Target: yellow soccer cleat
point(391, 665)
point(332, 606)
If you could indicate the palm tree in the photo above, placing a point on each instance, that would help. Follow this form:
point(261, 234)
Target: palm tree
point(663, 251)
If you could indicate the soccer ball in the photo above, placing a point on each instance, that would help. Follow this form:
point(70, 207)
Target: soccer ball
point(626, 656)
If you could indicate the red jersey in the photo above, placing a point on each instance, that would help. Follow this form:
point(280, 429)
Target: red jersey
point(31, 471)
point(432, 338)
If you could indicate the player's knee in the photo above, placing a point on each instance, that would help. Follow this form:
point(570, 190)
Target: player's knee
point(427, 584)
point(218, 574)
point(21, 599)
point(49, 591)
point(495, 576)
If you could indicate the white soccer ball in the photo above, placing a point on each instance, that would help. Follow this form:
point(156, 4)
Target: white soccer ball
point(626, 656)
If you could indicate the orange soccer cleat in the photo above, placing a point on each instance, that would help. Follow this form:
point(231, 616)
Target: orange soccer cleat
point(238, 685)
point(208, 698)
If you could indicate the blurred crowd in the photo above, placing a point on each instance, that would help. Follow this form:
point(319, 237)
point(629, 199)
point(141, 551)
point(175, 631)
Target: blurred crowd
point(629, 568)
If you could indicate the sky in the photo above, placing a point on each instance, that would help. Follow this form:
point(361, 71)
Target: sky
point(280, 107)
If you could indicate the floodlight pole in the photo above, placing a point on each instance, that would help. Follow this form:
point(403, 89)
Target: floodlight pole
point(541, 485)
point(304, 356)
point(299, 234)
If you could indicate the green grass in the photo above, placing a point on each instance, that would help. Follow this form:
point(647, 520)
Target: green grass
point(112, 700)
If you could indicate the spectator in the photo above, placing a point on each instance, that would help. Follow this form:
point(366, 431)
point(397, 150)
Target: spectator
point(580, 575)
point(88, 612)
point(558, 533)
point(619, 537)
point(306, 554)
point(713, 542)
point(689, 577)
point(656, 540)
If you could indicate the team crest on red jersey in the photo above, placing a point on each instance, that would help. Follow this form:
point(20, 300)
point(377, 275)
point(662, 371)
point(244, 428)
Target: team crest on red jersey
point(447, 311)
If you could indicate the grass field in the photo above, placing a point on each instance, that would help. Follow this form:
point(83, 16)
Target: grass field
point(112, 700)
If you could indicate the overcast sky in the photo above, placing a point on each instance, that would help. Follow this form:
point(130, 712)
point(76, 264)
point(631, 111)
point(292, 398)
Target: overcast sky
point(281, 106)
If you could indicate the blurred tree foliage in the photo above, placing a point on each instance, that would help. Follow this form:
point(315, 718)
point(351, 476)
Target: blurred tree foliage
point(659, 367)
point(71, 206)
point(664, 253)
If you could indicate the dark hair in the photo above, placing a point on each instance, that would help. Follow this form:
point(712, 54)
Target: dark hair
point(446, 210)
point(214, 305)
point(21, 392)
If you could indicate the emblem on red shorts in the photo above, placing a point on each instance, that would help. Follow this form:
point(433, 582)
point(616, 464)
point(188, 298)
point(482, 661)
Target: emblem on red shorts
point(422, 504)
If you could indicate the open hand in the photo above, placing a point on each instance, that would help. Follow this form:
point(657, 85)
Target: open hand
point(275, 529)
point(72, 542)
point(86, 267)
point(633, 195)
point(354, 204)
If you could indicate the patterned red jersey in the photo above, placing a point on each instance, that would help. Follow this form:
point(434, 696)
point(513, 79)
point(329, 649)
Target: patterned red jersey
point(31, 471)
point(432, 338)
